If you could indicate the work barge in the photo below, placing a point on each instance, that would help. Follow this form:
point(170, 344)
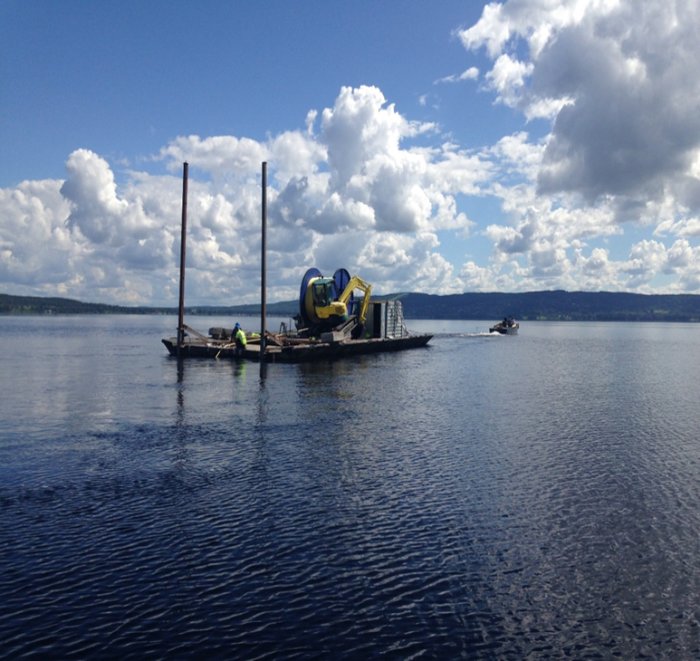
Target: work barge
point(332, 322)
point(385, 331)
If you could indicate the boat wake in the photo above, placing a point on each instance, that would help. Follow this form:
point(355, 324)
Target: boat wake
point(480, 334)
point(465, 335)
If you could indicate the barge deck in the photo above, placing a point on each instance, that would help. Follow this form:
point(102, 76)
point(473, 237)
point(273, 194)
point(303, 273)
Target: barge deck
point(294, 352)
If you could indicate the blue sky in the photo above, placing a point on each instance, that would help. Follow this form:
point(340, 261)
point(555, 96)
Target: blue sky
point(426, 146)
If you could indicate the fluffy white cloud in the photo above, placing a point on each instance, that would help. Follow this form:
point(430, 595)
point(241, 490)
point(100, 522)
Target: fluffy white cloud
point(216, 154)
point(33, 237)
point(507, 78)
point(472, 73)
point(619, 76)
point(478, 278)
point(44, 251)
point(364, 187)
point(617, 79)
point(356, 193)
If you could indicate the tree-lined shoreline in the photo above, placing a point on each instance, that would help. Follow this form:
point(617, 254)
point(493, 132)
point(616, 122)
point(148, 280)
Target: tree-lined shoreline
point(526, 306)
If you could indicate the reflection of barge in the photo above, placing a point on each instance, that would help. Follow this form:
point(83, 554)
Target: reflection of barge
point(331, 323)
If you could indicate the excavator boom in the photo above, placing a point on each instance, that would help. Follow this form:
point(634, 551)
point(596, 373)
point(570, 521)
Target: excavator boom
point(358, 283)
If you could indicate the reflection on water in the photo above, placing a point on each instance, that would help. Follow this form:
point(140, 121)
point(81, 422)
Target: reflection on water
point(484, 497)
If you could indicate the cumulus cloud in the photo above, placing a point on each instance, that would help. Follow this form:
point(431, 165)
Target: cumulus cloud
point(33, 236)
point(478, 278)
point(472, 73)
point(43, 249)
point(351, 189)
point(363, 186)
point(617, 76)
point(216, 154)
point(507, 77)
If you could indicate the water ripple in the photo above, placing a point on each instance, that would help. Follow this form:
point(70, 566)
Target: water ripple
point(462, 513)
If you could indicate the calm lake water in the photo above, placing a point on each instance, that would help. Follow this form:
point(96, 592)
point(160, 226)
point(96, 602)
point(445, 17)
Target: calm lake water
point(485, 497)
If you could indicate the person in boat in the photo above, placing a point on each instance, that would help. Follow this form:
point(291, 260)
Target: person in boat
point(239, 338)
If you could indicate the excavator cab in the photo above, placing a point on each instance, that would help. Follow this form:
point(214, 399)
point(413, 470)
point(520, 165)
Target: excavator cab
point(328, 303)
point(325, 303)
point(323, 291)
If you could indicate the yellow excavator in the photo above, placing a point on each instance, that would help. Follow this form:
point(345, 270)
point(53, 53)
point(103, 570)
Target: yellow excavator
point(329, 305)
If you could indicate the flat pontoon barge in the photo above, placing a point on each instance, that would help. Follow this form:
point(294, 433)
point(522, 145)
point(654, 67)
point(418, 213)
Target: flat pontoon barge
point(385, 330)
point(292, 353)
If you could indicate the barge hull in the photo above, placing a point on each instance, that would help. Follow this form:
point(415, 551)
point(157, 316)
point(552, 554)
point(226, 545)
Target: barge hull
point(295, 353)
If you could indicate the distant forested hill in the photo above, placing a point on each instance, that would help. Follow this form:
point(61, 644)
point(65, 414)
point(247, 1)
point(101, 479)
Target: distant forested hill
point(544, 305)
point(555, 306)
point(41, 305)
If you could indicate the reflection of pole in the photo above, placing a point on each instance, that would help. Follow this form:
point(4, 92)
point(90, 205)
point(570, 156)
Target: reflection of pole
point(180, 389)
point(263, 283)
point(183, 234)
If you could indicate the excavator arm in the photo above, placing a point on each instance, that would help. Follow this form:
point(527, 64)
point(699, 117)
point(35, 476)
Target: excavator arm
point(357, 283)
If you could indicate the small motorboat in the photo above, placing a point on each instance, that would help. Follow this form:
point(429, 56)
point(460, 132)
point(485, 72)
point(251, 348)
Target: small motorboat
point(506, 327)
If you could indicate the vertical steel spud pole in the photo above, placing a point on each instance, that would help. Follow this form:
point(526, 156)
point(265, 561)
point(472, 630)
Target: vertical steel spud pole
point(183, 235)
point(263, 265)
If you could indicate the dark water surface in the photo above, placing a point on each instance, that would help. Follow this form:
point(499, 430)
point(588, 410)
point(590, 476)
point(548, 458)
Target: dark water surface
point(496, 497)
